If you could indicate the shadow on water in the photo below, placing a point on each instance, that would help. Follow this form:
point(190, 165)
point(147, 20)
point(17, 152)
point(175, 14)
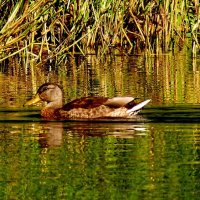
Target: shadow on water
point(169, 114)
point(174, 114)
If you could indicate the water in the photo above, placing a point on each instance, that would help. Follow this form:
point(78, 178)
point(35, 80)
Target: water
point(155, 156)
point(76, 160)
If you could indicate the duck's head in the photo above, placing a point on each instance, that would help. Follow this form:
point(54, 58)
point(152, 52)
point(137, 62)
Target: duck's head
point(50, 93)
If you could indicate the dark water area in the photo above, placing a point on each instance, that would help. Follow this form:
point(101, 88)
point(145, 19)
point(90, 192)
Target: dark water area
point(154, 156)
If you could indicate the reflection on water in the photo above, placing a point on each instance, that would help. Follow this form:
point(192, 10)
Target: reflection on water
point(50, 134)
point(77, 160)
point(168, 79)
point(155, 156)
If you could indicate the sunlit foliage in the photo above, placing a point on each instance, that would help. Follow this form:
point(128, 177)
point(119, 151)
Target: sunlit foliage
point(42, 29)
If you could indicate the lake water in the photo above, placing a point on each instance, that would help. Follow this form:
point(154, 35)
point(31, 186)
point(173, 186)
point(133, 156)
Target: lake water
point(156, 156)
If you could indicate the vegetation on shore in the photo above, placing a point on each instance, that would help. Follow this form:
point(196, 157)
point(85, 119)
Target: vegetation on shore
point(43, 29)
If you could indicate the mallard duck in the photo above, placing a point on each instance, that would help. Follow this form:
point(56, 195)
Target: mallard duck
point(85, 107)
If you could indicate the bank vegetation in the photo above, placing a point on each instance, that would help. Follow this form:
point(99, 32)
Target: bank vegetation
point(44, 30)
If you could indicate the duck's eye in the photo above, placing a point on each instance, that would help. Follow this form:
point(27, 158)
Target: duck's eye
point(43, 89)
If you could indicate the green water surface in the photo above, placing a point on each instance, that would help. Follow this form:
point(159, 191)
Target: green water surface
point(99, 160)
point(155, 156)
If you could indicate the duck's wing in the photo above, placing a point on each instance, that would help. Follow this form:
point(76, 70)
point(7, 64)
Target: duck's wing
point(93, 102)
point(117, 102)
point(85, 102)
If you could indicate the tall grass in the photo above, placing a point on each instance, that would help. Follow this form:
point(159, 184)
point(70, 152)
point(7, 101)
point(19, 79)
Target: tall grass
point(45, 30)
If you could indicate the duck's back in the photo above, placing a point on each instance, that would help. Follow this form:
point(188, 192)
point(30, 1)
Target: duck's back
point(85, 102)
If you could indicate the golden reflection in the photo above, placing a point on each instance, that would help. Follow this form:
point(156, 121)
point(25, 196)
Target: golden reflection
point(166, 79)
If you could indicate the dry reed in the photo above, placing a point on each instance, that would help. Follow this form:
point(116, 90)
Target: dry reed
point(44, 30)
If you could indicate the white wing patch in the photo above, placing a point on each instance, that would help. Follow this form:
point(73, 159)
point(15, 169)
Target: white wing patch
point(138, 107)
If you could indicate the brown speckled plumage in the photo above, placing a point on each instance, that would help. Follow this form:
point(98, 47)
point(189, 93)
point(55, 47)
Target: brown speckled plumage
point(85, 107)
point(96, 112)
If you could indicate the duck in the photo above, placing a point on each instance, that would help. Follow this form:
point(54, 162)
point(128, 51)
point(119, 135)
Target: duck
point(90, 107)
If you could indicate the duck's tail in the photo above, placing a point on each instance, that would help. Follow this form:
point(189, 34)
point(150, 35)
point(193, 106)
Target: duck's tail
point(134, 110)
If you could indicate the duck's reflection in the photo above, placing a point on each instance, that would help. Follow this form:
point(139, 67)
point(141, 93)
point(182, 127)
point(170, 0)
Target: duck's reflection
point(51, 134)
point(121, 130)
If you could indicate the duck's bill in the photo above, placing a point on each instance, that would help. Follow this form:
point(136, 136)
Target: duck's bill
point(33, 100)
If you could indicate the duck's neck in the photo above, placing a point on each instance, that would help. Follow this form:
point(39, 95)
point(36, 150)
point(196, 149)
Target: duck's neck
point(54, 104)
point(51, 109)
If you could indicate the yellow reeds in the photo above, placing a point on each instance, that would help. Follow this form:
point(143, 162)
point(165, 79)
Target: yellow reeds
point(54, 28)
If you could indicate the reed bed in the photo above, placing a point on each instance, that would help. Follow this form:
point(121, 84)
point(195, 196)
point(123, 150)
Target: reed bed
point(44, 30)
